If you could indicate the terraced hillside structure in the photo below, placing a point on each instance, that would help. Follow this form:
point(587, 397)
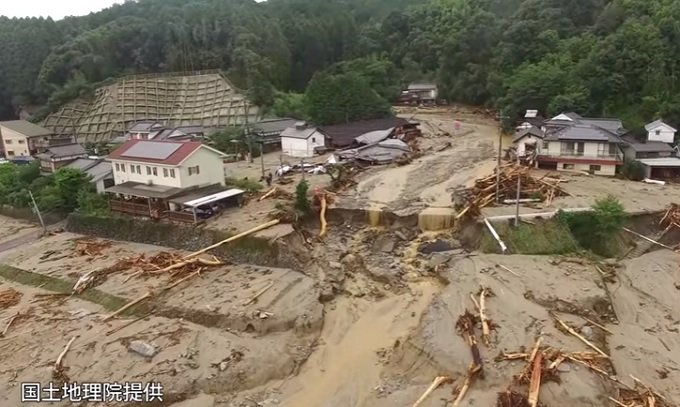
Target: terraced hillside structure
point(207, 99)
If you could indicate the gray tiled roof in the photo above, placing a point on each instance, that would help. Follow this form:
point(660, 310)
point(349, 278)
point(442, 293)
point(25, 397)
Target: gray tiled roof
point(294, 132)
point(613, 125)
point(65, 150)
point(653, 125)
point(277, 125)
point(648, 146)
point(531, 130)
point(28, 129)
point(584, 132)
point(145, 126)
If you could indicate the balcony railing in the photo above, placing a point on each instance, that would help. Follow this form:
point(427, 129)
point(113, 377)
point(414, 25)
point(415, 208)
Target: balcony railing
point(583, 155)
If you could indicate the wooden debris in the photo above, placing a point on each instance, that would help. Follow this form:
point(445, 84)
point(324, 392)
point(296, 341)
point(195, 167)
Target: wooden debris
point(671, 217)
point(58, 370)
point(486, 331)
point(276, 193)
point(535, 385)
point(9, 298)
point(508, 270)
point(269, 285)
point(647, 239)
point(127, 324)
point(91, 247)
point(129, 305)
point(602, 327)
point(580, 337)
point(9, 323)
point(511, 398)
point(183, 279)
point(322, 216)
point(438, 381)
point(233, 238)
point(474, 371)
point(471, 201)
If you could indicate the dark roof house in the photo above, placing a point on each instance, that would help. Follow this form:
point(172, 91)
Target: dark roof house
point(343, 135)
point(583, 132)
point(531, 131)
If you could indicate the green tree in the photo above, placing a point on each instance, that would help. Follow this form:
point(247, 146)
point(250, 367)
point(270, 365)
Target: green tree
point(343, 98)
point(302, 204)
point(68, 183)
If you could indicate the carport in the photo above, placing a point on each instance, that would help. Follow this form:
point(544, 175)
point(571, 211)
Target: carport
point(193, 202)
point(661, 168)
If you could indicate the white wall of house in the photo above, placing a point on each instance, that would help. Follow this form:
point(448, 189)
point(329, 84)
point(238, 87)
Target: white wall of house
point(211, 169)
point(144, 173)
point(15, 144)
point(662, 133)
point(590, 149)
point(597, 169)
point(529, 139)
point(298, 147)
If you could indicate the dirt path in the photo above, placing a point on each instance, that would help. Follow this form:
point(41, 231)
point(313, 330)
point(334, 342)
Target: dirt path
point(429, 180)
point(345, 368)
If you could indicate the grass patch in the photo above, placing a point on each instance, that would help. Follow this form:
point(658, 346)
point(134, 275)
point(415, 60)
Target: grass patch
point(57, 285)
point(543, 237)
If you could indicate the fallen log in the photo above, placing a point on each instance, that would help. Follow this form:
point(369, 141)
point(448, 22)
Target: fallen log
point(269, 285)
point(473, 371)
point(598, 325)
point(183, 279)
point(486, 331)
point(11, 321)
point(60, 358)
point(580, 337)
point(128, 305)
point(438, 381)
point(508, 270)
point(179, 265)
point(647, 239)
point(127, 324)
point(535, 384)
point(322, 216)
point(268, 194)
point(233, 238)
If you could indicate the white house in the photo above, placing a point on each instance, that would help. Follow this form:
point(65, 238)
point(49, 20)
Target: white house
point(582, 147)
point(301, 140)
point(22, 139)
point(528, 140)
point(167, 163)
point(660, 131)
point(144, 130)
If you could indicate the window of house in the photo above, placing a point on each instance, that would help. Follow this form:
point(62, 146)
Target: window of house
point(22, 141)
point(172, 173)
point(165, 172)
point(545, 145)
point(194, 170)
point(658, 132)
point(613, 149)
point(10, 152)
point(594, 168)
point(122, 167)
point(117, 167)
point(154, 170)
point(8, 141)
point(148, 170)
point(313, 139)
point(139, 169)
point(568, 166)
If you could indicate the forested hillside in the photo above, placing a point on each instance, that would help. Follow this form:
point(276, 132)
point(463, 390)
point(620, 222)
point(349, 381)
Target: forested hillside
point(597, 57)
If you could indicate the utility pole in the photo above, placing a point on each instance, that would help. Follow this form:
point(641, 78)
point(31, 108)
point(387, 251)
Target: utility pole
point(262, 157)
point(519, 186)
point(500, 119)
point(37, 211)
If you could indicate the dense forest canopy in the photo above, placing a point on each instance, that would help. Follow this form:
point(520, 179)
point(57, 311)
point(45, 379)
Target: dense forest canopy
point(597, 57)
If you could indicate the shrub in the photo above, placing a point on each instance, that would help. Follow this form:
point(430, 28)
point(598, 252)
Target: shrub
point(301, 200)
point(597, 230)
point(633, 170)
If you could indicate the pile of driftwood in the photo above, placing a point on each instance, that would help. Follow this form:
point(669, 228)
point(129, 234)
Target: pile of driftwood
point(276, 193)
point(9, 298)
point(342, 176)
point(672, 217)
point(91, 247)
point(471, 201)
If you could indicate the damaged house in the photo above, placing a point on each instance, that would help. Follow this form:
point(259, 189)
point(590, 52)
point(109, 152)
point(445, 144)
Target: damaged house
point(377, 147)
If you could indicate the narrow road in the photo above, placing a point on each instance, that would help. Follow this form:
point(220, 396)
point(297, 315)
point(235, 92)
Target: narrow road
point(18, 241)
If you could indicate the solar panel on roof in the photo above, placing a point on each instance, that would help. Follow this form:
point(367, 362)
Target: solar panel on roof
point(153, 151)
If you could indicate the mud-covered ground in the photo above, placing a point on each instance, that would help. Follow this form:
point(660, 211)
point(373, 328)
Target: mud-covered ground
point(369, 321)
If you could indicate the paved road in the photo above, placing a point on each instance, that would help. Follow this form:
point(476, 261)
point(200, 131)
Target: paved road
point(18, 241)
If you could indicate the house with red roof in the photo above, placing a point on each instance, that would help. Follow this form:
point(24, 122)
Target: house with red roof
point(159, 179)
